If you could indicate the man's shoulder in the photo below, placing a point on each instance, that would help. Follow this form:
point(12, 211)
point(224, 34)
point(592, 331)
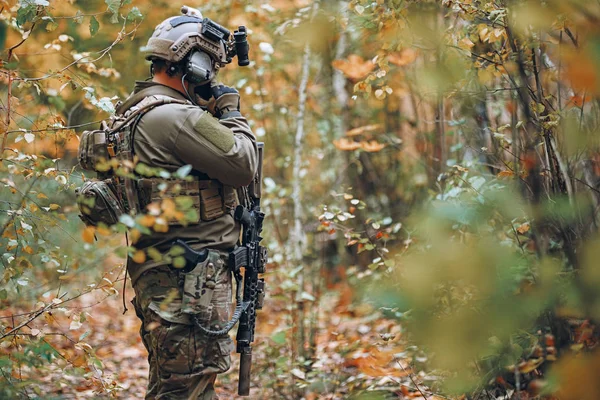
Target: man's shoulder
point(170, 113)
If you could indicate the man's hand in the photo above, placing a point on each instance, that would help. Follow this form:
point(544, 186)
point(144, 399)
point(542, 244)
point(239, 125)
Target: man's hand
point(227, 101)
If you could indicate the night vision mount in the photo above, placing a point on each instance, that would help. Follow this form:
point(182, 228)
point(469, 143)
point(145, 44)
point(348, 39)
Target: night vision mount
point(235, 45)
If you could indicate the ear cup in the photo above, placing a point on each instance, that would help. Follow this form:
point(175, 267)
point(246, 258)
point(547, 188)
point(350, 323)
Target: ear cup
point(200, 68)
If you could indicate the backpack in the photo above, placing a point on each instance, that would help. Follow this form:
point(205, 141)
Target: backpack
point(105, 198)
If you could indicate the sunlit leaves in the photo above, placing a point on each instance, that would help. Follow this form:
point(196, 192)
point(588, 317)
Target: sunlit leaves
point(113, 7)
point(88, 234)
point(402, 58)
point(134, 14)
point(354, 67)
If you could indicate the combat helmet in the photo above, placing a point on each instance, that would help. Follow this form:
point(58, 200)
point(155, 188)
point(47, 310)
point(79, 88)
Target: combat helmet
point(192, 36)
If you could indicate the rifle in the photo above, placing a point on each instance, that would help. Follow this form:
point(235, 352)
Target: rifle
point(253, 257)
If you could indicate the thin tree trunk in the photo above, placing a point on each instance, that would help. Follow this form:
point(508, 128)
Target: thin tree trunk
point(297, 234)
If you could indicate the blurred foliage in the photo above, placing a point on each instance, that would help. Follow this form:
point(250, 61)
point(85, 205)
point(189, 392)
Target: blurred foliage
point(444, 168)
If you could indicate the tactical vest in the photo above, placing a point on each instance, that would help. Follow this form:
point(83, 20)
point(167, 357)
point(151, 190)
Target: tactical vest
point(120, 190)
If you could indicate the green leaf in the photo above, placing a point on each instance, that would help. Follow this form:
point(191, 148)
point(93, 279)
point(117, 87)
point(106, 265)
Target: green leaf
point(176, 251)
point(3, 294)
point(179, 262)
point(278, 337)
point(113, 7)
point(26, 14)
point(184, 202)
point(134, 14)
point(94, 26)
point(154, 254)
point(84, 335)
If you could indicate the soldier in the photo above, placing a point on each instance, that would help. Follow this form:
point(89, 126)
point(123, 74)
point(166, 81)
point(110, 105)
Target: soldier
point(221, 149)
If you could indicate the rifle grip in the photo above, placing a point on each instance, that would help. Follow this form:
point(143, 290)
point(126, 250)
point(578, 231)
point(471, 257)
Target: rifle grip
point(244, 381)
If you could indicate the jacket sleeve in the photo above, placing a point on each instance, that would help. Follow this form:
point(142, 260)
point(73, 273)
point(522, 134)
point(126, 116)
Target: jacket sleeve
point(223, 150)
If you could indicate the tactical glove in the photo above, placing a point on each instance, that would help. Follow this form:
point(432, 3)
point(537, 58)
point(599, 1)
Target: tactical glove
point(227, 101)
point(204, 92)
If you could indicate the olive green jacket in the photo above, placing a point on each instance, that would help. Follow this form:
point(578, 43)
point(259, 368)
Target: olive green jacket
point(173, 135)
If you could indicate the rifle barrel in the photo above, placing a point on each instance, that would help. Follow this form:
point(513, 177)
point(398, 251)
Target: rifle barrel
point(245, 366)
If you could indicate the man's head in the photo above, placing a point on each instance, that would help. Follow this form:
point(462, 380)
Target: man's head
point(187, 51)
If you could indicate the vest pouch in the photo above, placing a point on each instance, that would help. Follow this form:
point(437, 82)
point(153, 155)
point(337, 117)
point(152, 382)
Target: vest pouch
point(211, 203)
point(98, 203)
point(93, 149)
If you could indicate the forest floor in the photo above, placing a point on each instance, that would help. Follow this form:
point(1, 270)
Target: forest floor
point(357, 350)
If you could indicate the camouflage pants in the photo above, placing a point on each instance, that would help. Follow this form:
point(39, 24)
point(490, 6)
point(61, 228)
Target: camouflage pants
point(184, 362)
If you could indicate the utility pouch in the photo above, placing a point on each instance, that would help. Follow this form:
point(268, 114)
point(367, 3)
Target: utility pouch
point(199, 286)
point(98, 203)
point(93, 148)
point(211, 203)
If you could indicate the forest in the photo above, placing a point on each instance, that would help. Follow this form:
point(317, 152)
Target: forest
point(431, 186)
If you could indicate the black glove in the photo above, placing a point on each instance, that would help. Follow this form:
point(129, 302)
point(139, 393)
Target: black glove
point(227, 101)
point(204, 92)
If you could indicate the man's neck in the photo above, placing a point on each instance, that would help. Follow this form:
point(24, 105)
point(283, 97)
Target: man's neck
point(173, 82)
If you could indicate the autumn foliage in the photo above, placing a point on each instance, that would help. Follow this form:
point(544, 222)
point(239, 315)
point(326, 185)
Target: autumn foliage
point(432, 186)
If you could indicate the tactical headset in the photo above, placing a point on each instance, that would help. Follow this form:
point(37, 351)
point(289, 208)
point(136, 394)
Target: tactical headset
point(199, 68)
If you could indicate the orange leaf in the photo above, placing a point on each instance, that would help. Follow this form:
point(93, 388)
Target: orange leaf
point(364, 129)
point(403, 57)
point(346, 144)
point(579, 101)
point(372, 146)
point(355, 67)
point(524, 228)
point(139, 257)
point(147, 220)
point(88, 234)
point(505, 174)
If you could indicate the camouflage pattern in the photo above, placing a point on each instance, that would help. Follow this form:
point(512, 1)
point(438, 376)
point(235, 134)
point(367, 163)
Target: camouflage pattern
point(98, 203)
point(92, 149)
point(183, 361)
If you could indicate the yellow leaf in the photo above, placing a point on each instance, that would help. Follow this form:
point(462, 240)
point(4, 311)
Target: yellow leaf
point(42, 196)
point(28, 250)
point(102, 230)
point(54, 206)
point(139, 257)
point(466, 44)
point(88, 234)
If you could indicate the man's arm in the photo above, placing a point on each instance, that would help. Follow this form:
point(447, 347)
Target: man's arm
point(223, 149)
